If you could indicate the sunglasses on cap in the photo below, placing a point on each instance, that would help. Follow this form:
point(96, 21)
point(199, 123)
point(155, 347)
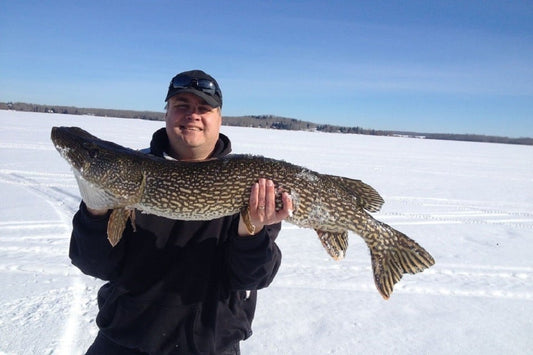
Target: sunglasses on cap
point(204, 85)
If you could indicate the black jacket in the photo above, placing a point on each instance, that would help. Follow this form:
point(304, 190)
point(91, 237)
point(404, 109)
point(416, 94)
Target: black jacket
point(179, 287)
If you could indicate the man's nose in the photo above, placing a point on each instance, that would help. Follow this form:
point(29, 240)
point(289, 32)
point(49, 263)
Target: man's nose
point(194, 113)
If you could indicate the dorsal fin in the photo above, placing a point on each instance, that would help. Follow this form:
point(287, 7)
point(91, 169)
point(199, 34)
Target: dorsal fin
point(368, 197)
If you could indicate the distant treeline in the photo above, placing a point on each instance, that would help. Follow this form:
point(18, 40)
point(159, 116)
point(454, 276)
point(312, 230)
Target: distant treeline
point(275, 122)
point(291, 124)
point(263, 121)
point(70, 110)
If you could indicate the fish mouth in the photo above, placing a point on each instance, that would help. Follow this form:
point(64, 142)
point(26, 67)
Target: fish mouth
point(65, 139)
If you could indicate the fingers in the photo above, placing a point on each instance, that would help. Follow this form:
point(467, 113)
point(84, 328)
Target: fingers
point(254, 197)
point(262, 204)
point(270, 199)
point(287, 206)
point(262, 208)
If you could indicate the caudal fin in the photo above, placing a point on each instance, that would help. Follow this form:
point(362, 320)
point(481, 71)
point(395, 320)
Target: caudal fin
point(401, 255)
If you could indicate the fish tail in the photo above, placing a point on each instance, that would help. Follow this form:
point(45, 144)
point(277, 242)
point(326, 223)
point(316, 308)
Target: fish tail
point(394, 254)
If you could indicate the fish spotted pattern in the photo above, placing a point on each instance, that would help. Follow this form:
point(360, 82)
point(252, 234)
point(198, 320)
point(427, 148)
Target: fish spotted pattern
point(119, 178)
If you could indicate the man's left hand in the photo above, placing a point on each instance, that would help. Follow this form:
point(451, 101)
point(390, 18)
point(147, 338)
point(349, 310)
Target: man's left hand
point(262, 207)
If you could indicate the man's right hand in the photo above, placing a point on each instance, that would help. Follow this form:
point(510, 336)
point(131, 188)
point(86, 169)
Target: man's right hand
point(90, 197)
point(96, 212)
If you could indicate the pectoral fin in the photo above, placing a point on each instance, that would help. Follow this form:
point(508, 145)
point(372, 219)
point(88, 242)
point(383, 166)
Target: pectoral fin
point(117, 224)
point(335, 243)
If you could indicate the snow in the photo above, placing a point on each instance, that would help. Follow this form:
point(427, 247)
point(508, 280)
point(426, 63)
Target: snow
point(469, 204)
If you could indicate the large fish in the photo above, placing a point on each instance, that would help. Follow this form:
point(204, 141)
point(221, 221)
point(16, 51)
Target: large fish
point(112, 176)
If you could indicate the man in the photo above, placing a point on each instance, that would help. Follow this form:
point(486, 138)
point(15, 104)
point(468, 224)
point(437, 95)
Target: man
point(182, 287)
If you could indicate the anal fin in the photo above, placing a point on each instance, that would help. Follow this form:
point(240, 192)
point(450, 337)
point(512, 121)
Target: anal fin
point(335, 243)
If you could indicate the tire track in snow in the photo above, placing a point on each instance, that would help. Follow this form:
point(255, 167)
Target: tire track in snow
point(50, 187)
point(28, 146)
point(451, 280)
point(444, 211)
point(37, 238)
point(71, 327)
point(48, 322)
point(443, 279)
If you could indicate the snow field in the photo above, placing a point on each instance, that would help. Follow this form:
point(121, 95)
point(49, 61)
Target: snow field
point(469, 204)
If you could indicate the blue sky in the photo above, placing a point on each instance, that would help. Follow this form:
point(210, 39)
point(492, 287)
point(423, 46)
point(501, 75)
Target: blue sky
point(427, 66)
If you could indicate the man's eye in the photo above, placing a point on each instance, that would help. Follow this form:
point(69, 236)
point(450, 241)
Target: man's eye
point(204, 109)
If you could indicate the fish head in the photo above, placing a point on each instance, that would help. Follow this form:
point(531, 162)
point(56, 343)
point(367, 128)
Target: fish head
point(101, 165)
point(76, 146)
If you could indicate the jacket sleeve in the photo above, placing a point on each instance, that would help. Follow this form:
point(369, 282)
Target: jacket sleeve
point(254, 260)
point(90, 250)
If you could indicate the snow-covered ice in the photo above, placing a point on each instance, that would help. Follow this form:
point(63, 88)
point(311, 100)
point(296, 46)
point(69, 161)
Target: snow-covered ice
point(469, 204)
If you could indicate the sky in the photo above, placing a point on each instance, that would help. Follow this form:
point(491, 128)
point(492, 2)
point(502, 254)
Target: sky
point(424, 66)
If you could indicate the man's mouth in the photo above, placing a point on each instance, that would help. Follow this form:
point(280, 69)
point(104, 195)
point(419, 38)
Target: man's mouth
point(190, 128)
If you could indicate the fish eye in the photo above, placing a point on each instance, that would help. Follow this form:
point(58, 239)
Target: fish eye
point(91, 149)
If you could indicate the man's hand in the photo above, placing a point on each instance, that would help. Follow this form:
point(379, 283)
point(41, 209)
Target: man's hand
point(87, 193)
point(96, 212)
point(262, 207)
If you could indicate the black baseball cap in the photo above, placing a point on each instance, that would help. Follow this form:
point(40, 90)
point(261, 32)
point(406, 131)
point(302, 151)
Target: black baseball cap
point(198, 83)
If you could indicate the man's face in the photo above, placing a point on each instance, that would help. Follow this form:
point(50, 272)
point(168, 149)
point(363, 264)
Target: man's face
point(192, 127)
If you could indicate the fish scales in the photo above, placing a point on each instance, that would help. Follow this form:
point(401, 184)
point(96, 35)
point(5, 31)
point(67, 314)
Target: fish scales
point(112, 176)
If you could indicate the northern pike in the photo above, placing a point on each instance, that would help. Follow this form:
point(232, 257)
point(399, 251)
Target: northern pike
point(115, 177)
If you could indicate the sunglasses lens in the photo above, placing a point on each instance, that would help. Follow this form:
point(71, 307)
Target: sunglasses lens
point(181, 82)
point(204, 85)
